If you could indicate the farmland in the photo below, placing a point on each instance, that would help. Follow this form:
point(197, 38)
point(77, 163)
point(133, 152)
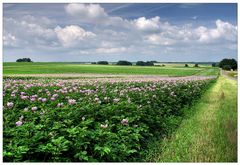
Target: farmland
point(95, 113)
point(98, 121)
point(73, 68)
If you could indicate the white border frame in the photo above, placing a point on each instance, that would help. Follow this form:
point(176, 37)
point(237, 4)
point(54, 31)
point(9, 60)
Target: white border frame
point(101, 1)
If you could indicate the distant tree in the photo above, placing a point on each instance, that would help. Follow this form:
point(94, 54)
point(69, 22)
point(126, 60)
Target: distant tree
point(93, 63)
point(140, 63)
point(149, 63)
point(214, 64)
point(226, 67)
point(124, 63)
point(102, 62)
point(163, 65)
point(186, 65)
point(196, 65)
point(24, 60)
point(153, 61)
point(231, 62)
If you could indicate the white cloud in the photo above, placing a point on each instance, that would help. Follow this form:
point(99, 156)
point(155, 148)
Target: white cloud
point(28, 31)
point(42, 31)
point(223, 31)
point(106, 44)
point(43, 21)
point(84, 52)
point(71, 35)
point(148, 25)
point(9, 40)
point(38, 30)
point(111, 50)
point(86, 11)
point(226, 30)
point(159, 39)
point(31, 29)
point(95, 14)
point(105, 34)
point(194, 17)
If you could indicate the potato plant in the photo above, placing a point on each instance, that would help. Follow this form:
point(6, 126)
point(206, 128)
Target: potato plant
point(68, 121)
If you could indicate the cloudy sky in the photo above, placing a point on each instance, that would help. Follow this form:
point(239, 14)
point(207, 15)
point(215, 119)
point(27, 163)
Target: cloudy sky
point(112, 32)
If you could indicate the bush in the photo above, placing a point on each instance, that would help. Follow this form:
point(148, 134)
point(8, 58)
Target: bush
point(93, 63)
point(230, 62)
point(24, 60)
point(124, 63)
point(214, 64)
point(142, 63)
point(102, 62)
point(186, 65)
point(149, 63)
point(226, 67)
point(196, 65)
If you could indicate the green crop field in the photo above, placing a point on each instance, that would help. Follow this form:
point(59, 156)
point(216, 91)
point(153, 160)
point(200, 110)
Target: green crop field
point(117, 113)
point(10, 68)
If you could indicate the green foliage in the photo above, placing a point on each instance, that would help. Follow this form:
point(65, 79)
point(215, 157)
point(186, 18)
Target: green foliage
point(186, 65)
point(214, 64)
point(24, 60)
point(124, 63)
point(142, 63)
point(110, 122)
point(226, 67)
point(102, 62)
point(232, 63)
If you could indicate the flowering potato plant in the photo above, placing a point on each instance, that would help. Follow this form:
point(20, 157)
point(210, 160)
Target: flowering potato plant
point(54, 120)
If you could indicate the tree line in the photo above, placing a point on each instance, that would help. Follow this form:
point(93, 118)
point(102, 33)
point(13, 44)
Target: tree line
point(122, 62)
point(24, 60)
point(226, 64)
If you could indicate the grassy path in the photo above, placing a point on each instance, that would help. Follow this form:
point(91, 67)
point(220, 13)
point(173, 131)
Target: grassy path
point(208, 135)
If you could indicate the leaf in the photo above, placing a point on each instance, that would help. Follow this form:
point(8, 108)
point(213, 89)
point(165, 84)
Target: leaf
point(131, 151)
point(97, 148)
point(7, 153)
point(106, 150)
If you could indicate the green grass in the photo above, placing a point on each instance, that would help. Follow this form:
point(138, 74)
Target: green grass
point(182, 65)
point(208, 72)
point(64, 68)
point(208, 134)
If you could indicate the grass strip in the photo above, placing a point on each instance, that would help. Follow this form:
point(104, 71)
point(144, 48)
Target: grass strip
point(208, 134)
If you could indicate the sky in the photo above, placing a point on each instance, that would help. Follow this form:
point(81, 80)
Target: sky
point(165, 32)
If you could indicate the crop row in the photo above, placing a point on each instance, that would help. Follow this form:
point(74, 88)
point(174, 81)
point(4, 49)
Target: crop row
point(63, 120)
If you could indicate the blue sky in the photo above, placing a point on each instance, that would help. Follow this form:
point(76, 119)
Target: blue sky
point(112, 32)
